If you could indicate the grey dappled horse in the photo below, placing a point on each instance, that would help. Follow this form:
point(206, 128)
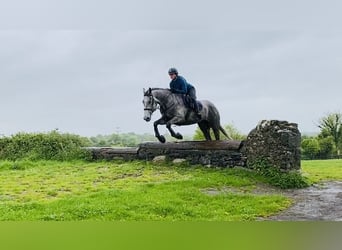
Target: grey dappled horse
point(174, 111)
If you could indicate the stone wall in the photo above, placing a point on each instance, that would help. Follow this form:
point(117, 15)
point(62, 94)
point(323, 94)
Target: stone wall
point(277, 142)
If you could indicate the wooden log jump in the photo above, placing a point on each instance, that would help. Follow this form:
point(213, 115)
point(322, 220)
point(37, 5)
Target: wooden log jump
point(193, 145)
point(217, 153)
point(113, 153)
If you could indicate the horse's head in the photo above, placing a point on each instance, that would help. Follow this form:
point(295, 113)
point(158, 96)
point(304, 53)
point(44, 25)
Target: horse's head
point(150, 104)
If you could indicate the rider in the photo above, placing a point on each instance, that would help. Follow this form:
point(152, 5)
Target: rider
point(179, 85)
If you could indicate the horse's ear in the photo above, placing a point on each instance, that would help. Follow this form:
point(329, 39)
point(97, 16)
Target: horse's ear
point(149, 90)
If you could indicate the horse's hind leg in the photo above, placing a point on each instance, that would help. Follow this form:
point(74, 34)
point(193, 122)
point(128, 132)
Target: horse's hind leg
point(205, 130)
point(216, 133)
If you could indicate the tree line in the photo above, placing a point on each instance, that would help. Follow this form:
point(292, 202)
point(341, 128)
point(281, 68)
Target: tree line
point(328, 143)
point(58, 146)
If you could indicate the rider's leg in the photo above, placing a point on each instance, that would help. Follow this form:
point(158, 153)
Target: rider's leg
point(192, 94)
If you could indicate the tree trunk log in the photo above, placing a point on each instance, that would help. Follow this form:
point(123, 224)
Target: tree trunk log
point(193, 145)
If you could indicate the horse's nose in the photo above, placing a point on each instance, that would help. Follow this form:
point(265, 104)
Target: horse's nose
point(147, 119)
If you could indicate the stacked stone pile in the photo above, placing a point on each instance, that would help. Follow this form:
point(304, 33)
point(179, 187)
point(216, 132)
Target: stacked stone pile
point(277, 142)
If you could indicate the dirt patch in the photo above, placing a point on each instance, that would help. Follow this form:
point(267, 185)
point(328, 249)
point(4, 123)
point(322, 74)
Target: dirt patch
point(321, 202)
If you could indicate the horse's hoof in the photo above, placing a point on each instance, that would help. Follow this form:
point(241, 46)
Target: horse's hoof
point(161, 139)
point(179, 136)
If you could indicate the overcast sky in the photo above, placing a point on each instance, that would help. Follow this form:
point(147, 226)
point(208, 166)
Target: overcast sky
point(81, 66)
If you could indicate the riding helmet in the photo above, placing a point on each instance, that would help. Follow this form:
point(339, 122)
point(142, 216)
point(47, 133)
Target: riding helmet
point(173, 71)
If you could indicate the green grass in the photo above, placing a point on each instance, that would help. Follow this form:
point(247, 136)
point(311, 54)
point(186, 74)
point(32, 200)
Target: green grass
point(322, 170)
point(49, 190)
point(140, 191)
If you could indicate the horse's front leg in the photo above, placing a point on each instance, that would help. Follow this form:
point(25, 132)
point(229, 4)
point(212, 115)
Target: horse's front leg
point(161, 121)
point(172, 132)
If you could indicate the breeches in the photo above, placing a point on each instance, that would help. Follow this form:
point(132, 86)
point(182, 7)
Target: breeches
point(192, 93)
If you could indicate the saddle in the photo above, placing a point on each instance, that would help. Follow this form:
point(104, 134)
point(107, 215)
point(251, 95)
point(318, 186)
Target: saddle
point(190, 103)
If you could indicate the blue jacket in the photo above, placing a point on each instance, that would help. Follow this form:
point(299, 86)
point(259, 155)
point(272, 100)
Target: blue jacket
point(180, 85)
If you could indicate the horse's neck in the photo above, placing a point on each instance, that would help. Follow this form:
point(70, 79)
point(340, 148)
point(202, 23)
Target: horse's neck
point(162, 95)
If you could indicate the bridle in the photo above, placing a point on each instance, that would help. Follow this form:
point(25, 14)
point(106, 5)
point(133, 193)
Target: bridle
point(153, 105)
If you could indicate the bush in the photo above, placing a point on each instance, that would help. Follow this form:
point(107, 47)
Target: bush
point(43, 146)
point(231, 130)
point(317, 147)
point(326, 147)
point(310, 148)
point(275, 177)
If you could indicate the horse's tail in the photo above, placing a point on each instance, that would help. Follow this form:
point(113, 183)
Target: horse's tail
point(242, 143)
point(225, 133)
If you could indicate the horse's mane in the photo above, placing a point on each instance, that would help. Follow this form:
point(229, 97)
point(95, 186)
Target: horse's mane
point(166, 89)
point(161, 89)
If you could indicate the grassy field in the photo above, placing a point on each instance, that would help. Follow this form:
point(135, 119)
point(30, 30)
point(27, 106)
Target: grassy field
point(321, 170)
point(139, 191)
